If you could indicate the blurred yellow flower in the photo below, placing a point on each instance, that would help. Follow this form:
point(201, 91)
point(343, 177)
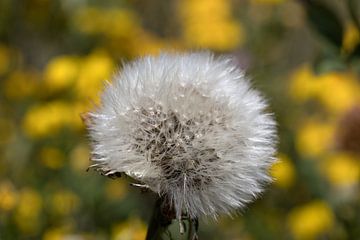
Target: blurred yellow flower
point(61, 72)
point(112, 22)
point(338, 91)
point(21, 84)
point(121, 25)
point(311, 220)
point(209, 24)
point(79, 158)
point(28, 211)
point(283, 172)
point(64, 202)
point(116, 190)
point(8, 196)
point(314, 138)
point(47, 119)
point(351, 38)
point(132, 229)
point(303, 84)
point(95, 70)
point(52, 157)
point(342, 170)
point(5, 57)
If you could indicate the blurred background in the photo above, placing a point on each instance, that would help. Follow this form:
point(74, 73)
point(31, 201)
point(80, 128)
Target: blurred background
point(55, 55)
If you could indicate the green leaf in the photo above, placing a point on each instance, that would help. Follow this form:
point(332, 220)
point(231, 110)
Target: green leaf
point(324, 21)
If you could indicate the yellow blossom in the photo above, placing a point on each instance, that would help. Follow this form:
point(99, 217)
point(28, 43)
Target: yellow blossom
point(112, 22)
point(209, 24)
point(47, 119)
point(61, 72)
point(342, 170)
point(28, 211)
point(64, 202)
point(338, 91)
point(314, 138)
point(303, 84)
point(52, 157)
point(8, 196)
point(132, 229)
point(121, 25)
point(311, 220)
point(283, 172)
point(95, 70)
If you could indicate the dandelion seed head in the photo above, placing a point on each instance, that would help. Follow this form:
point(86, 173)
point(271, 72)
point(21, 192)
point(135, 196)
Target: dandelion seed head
point(190, 127)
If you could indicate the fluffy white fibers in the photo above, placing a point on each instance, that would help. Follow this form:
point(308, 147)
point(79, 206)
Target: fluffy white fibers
point(190, 128)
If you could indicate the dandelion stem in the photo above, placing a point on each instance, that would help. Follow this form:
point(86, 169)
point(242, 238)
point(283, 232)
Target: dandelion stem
point(161, 219)
point(158, 222)
point(193, 228)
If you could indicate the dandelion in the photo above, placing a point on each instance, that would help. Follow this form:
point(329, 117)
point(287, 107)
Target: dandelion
point(188, 127)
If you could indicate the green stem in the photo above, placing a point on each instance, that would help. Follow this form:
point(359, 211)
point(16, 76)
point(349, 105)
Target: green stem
point(161, 219)
point(158, 222)
point(193, 229)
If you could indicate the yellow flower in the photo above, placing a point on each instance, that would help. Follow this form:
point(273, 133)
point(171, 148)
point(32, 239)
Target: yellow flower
point(314, 138)
point(303, 84)
point(28, 211)
point(283, 172)
point(338, 91)
point(117, 23)
point(311, 221)
point(8, 196)
point(95, 70)
point(21, 84)
point(64, 202)
point(209, 24)
point(47, 119)
point(342, 170)
point(132, 229)
point(351, 38)
point(61, 72)
point(52, 157)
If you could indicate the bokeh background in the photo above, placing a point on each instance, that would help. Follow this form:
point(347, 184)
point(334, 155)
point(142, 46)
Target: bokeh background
point(55, 55)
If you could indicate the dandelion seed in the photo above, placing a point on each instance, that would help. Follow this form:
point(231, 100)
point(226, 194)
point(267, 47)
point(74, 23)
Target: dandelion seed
point(188, 127)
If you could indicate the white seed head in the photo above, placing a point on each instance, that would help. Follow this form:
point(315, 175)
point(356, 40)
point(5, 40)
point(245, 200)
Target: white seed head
point(190, 127)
